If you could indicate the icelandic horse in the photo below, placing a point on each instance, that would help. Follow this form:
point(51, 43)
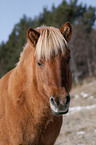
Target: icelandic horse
point(35, 94)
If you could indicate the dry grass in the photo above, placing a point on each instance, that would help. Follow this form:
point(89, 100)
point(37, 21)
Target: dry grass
point(79, 128)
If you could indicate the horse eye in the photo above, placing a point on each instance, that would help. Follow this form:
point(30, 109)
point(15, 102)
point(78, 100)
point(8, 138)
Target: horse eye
point(40, 64)
point(67, 60)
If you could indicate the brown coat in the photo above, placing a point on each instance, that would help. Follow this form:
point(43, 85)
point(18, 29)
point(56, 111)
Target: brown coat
point(25, 114)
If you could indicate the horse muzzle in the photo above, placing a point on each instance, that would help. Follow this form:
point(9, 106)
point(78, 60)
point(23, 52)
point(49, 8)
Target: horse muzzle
point(59, 108)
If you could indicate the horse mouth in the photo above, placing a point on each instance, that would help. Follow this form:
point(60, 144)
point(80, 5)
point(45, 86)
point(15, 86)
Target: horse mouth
point(59, 109)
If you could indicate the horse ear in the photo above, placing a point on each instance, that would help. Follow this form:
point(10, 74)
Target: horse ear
point(66, 30)
point(32, 36)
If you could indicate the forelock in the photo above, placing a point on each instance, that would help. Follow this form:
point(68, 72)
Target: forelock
point(50, 43)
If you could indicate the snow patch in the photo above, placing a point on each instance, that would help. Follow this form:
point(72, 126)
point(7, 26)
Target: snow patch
point(91, 97)
point(81, 144)
point(76, 96)
point(79, 108)
point(80, 132)
point(84, 95)
point(95, 130)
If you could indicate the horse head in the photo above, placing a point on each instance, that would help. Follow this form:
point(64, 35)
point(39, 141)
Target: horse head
point(52, 58)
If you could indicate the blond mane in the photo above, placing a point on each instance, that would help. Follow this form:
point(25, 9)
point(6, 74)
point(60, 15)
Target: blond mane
point(50, 43)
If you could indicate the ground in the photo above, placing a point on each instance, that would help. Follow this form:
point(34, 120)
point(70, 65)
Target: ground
point(79, 125)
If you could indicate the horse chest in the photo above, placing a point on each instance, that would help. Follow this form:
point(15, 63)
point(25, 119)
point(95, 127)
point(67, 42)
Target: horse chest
point(51, 132)
point(45, 134)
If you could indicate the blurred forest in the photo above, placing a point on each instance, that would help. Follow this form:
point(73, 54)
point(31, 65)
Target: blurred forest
point(82, 44)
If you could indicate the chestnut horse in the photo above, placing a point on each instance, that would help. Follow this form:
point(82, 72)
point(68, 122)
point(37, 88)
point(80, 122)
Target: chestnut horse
point(35, 94)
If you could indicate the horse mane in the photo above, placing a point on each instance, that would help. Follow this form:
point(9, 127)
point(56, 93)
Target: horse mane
point(50, 43)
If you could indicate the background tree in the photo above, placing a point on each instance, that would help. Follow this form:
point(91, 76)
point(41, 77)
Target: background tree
point(83, 42)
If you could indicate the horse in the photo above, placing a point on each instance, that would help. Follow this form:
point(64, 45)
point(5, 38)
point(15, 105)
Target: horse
point(34, 95)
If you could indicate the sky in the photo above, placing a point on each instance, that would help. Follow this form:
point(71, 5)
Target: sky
point(12, 10)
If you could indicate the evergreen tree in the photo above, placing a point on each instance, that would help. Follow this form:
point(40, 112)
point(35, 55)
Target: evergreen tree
point(83, 38)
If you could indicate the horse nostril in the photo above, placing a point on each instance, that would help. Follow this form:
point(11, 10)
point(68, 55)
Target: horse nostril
point(51, 99)
point(67, 99)
point(54, 101)
point(57, 101)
